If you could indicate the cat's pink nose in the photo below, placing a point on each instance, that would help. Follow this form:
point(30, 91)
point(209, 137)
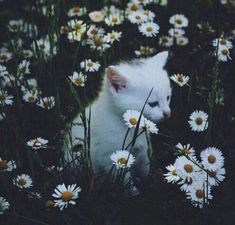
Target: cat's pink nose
point(167, 114)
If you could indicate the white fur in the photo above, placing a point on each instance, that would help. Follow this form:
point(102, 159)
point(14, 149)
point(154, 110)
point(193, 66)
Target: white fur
point(134, 81)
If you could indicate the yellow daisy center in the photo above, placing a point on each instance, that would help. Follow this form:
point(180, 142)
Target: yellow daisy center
point(224, 51)
point(77, 26)
point(180, 78)
point(31, 99)
point(78, 81)
point(3, 164)
point(94, 31)
point(21, 182)
point(66, 196)
point(174, 172)
point(179, 21)
point(188, 168)
point(199, 193)
point(50, 203)
point(137, 17)
point(198, 120)
point(164, 39)
point(98, 41)
point(211, 159)
point(114, 19)
point(89, 64)
point(185, 151)
point(41, 46)
point(122, 160)
point(133, 121)
point(2, 97)
point(76, 9)
point(4, 57)
point(149, 29)
point(133, 7)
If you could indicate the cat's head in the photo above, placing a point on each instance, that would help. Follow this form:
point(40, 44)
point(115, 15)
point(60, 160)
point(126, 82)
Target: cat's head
point(130, 83)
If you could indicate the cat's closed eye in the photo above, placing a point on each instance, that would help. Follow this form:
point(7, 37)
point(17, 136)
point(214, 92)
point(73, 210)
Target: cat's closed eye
point(153, 104)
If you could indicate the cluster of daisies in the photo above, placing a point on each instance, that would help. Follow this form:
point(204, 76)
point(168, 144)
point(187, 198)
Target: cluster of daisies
point(176, 33)
point(123, 158)
point(88, 66)
point(64, 195)
point(222, 48)
point(196, 178)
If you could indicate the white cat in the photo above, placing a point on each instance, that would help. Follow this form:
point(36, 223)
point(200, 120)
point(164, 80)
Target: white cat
point(126, 86)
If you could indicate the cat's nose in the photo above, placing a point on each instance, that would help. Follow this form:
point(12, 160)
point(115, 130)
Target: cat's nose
point(167, 114)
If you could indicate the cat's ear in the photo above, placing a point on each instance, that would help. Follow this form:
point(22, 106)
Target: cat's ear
point(116, 81)
point(161, 58)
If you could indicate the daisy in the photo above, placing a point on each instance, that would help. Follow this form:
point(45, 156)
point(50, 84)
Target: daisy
point(98, 43)
point(214, 177)
point(150, 126)
point(23, 181)
point(5, 99)
point(137, 17)
point(151, 15)
point(171, 176)
point(149, 29)
point(77, 25)
point(144, 51)
point(31, 85)
point(182, 41)
point(131, 118)
point(5, 56)
point(65, 195)
point(90, 66)
point(185, 168)
point(223, 54)
point(96, 16)
point(198, 121)
point(7, 166)
point(114, 19)
point(166, 41)
point(187, 184)
point(176, 32)
point(50, 204)
point(47, 102)
point(34, 195)
point(4, 205)
point(27, 53)
point(180, 79)
point(23, 67)
point(222, 42)
point(95, 31)
point(133, 6)
point(212, 158)
point(74, 36)
point(45, 47)
point(185, 150)
point(113, 36)
point(76, 11)
point(122, 159)
point(37, 143)
point(179, 20)
point(199, 194)
point(78, 79)
point(15, 25)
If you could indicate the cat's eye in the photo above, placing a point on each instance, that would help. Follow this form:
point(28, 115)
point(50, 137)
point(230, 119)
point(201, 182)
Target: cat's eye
point(168, 98)
point(153, 104)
